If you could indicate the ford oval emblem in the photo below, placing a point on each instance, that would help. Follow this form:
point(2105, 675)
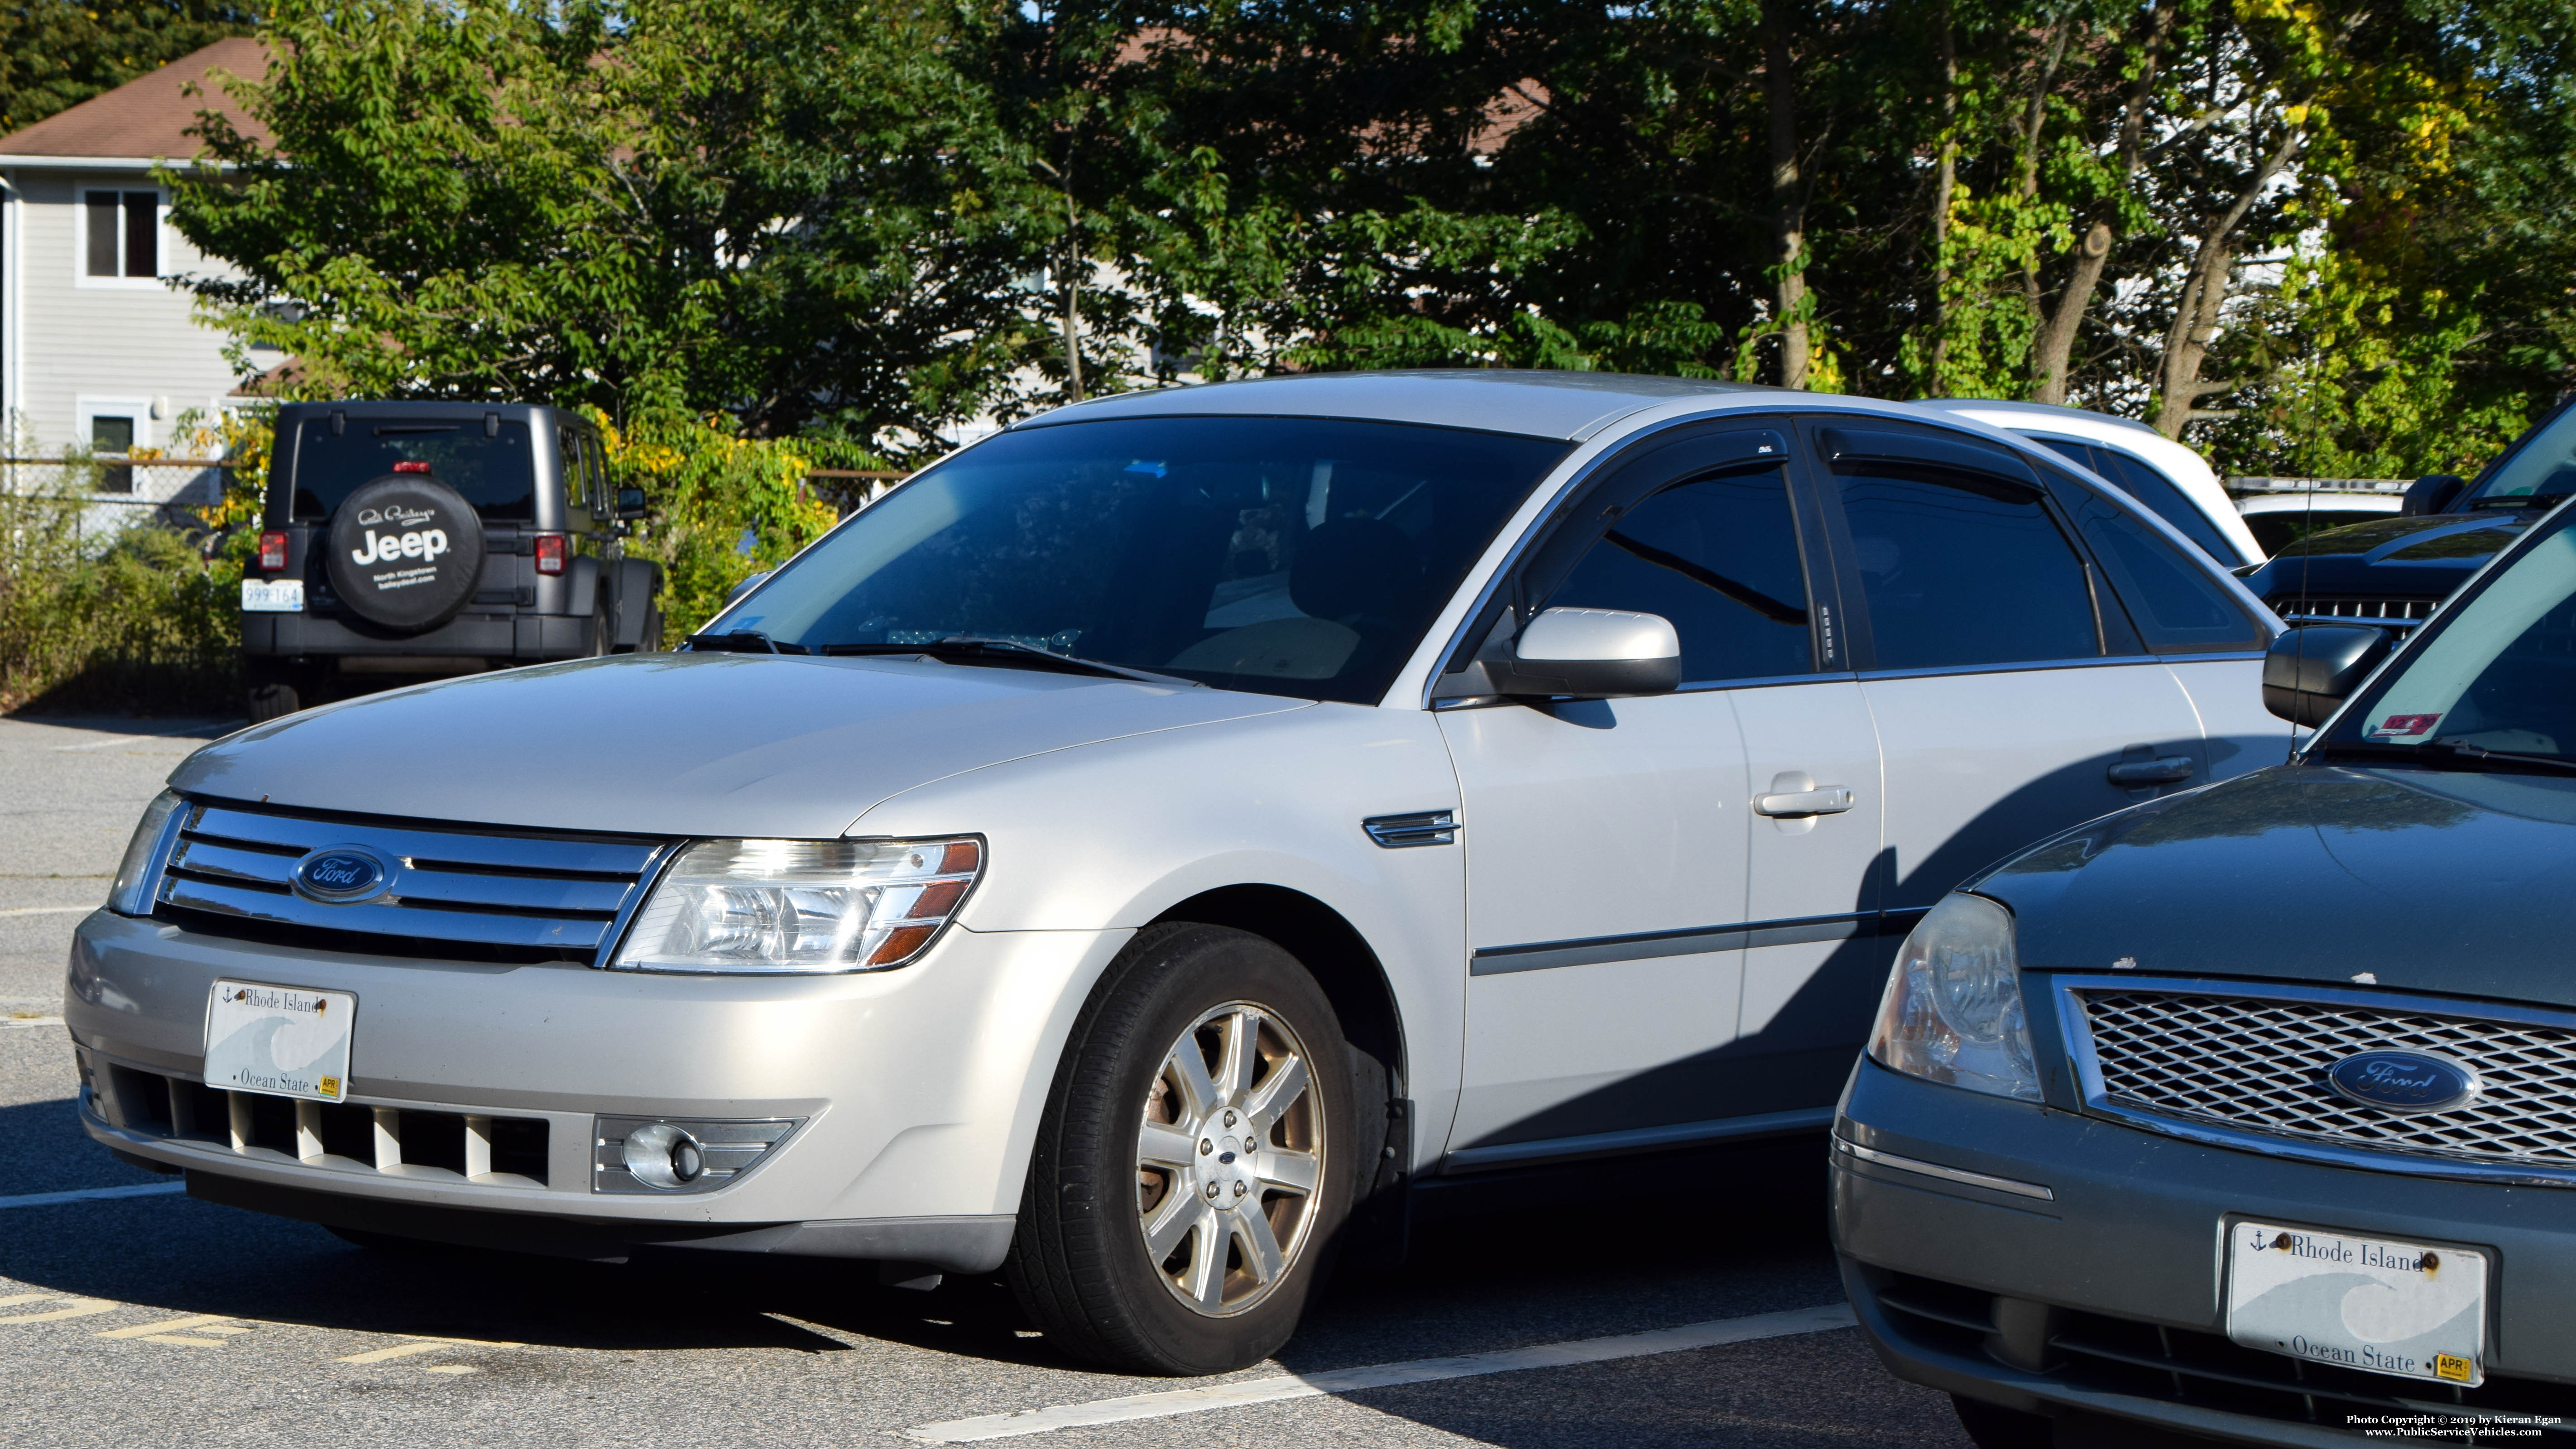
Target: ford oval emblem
point(342, 875)
point(2402, 1081)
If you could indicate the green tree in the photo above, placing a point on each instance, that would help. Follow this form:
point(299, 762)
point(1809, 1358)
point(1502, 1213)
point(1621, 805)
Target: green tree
point(55, 54)
point(797, 214)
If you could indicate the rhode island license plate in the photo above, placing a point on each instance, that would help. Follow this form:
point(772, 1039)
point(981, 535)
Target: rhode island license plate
point(2363, 1303)
point(279, 1040)
point(272, 596)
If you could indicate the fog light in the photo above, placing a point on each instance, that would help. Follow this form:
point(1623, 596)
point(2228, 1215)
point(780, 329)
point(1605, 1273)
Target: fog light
point(662, 1155)
point(688, 1154)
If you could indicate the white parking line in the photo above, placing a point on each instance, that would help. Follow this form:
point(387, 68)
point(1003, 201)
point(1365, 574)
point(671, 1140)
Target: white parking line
point(46, 910)
point(1821, 1319)
point(15, 1022)
point(113, 741)
point(86, 1194)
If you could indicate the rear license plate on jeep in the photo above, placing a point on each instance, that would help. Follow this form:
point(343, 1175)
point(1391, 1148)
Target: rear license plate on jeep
point(2364, 1303)
point(273, 596)
point(279, 1040)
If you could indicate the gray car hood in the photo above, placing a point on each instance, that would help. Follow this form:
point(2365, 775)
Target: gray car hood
point(684, 744)
point(2449, 882)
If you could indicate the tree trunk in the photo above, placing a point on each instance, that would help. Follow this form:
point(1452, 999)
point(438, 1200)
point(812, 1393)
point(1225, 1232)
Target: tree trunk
point(2195, 321)
point(2033, 134)
point(1788, 201)
point(2053, 351)
point(1945, 185)
point(1072, 303)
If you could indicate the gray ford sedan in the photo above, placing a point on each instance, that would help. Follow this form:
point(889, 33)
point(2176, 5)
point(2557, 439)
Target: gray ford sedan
point(2247, 1112)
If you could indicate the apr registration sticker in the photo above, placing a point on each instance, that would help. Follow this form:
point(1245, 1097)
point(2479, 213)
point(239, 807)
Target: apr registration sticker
point(279, 1040)
point(2405, 727)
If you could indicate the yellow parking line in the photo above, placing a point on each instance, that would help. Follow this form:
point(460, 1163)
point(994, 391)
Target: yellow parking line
point(423, 1345)
point(183, 1340)
point(14, 1299)
point(451, 1368)
point(167, 1325)
point(79, 1308)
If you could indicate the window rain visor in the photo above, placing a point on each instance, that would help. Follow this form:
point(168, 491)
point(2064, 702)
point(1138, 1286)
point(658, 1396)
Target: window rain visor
point(1953, 1010)
point(800, 906)
point(2496, 670)
point(1290, 556)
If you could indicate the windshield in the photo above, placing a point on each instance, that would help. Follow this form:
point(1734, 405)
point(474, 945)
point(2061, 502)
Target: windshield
point(2499, 675)
point(2542, 469)
point(1289, 556)
point(497, 474)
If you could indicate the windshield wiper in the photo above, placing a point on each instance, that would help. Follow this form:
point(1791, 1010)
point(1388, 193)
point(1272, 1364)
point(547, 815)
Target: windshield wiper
point(1010, 653)
point(2434, 754)
point(2481, 752)
point(740, 641)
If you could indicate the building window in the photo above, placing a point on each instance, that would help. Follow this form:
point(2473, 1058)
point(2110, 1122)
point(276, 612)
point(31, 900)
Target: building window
point(124, 233)
point(112, 437)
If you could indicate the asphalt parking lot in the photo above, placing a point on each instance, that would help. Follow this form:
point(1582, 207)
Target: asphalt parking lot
point(1700, 1316)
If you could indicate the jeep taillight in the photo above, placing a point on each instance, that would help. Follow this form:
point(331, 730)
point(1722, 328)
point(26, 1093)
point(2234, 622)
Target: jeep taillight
point(550, 553)
point(272, 552)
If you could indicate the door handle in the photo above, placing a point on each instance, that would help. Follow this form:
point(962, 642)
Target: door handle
point(2162, 770)
point(1820, 800)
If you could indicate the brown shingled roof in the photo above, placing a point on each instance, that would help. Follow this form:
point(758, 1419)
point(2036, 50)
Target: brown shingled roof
point(148, 117)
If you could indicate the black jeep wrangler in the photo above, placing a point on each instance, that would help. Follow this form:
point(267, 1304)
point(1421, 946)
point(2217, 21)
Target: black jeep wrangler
point(411, 538)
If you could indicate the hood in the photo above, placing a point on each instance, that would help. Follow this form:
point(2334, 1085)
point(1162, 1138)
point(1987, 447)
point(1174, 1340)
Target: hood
point(2423, 556)
point(684, 744)
point(2447, 882)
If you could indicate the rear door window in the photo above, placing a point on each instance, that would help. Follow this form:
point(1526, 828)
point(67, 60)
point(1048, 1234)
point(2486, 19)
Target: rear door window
point(2176, 606)
point(1958, 566)
point(495, 471)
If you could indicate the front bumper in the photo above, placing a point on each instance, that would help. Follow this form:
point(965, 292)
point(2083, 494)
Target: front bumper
point(917, 1090)
point(2105, 1297)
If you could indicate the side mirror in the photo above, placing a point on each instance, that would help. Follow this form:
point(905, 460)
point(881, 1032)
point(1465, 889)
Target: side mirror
point(747, 585)
point(2310, 670)
point(2431, 494)
point(630, 503)
point(1590, 654)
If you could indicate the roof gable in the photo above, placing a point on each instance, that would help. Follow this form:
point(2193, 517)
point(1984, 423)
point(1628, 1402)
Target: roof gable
point(148, 118)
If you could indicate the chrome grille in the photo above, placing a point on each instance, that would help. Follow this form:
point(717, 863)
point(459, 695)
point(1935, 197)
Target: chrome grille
point(2258, 1064)
point(2403, 612)
point(545, 895)
point(400, 1142)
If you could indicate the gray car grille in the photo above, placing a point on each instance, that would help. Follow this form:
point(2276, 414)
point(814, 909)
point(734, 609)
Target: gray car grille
point(2258, 1064)
point(524, 896)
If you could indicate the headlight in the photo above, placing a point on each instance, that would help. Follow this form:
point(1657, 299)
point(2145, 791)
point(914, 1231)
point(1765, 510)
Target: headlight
point(800, 905)
point(1953, 1011)
point(138, 876)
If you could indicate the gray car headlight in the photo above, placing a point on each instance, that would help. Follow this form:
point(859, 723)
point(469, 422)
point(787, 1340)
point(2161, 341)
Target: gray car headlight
point(1953, 1010)
point(138, 875)
point(796, 906)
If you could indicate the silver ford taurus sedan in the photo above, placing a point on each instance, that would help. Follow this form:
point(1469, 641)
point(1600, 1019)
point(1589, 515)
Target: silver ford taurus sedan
point(1155, 848)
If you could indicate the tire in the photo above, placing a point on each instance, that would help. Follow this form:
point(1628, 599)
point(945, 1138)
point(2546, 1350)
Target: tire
point(266, 702)
point(1101, 1177)
point(405, 552)
point(1992, 1426)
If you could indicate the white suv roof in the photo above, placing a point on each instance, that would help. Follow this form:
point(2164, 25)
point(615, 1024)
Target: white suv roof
point(2184, 469)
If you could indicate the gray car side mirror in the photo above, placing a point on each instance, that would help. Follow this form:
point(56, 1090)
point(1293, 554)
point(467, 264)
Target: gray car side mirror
point(1590, 654)
point(2312, 669)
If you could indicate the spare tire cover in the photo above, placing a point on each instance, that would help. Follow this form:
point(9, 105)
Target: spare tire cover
point(406, 552)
